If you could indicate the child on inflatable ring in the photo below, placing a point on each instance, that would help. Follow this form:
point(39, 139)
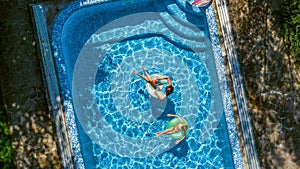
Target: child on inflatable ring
point(182, 126)
point(156, 84)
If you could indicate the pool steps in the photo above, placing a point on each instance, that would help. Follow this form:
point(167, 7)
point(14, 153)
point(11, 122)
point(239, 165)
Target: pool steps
point(155, 28)
point(187, 7)
point(181, 13)
point(179, 24)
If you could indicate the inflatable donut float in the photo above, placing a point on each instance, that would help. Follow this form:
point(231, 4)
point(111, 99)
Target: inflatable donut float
point(151, 90)
point(179, 134)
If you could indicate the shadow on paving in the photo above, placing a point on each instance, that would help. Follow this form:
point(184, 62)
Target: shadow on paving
point(272, 83)
point(23, 91)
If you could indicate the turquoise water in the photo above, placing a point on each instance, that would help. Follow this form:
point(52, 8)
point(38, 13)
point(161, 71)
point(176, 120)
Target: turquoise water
point(122, 98)
point(115, 117)
point(114, 92)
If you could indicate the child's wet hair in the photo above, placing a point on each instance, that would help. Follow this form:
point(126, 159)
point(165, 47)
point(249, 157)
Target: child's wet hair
point(185, 127)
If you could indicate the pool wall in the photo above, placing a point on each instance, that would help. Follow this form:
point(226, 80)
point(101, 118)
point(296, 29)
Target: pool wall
point(66, 94)
point(223, 83)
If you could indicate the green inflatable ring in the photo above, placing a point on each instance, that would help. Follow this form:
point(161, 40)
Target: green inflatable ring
point(179, 134)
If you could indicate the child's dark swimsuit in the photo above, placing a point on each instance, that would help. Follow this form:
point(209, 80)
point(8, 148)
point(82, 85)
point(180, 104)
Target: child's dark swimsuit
point(163, 87)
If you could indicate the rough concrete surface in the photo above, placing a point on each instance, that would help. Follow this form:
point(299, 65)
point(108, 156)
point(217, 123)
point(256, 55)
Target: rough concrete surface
point(272, 82)
point(23, 91)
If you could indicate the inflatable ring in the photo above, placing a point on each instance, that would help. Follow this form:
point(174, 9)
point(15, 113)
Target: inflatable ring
point(200, 3)
point(179, 134)
point(151, 90)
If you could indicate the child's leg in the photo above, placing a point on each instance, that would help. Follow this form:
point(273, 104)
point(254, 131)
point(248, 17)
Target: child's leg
point(146, 73)
point(150, 80)
point(167, 131)
point(144, 77)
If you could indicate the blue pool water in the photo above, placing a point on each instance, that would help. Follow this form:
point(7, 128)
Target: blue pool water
point(112, 119)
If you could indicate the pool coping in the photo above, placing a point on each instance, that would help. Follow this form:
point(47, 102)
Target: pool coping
point(224, 87)
point(50, 80)
point(54, 81)
point(237, 83)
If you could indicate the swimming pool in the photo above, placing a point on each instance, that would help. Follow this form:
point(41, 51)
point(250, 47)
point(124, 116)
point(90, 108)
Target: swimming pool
point(112, 119)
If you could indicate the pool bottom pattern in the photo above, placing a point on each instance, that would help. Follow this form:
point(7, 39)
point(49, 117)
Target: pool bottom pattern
point(201, 156)
point(191, 152)
point(123, 99)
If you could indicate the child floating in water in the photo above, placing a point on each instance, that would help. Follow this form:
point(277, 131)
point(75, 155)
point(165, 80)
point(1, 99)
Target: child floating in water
point(182, 126)
point(156, 84)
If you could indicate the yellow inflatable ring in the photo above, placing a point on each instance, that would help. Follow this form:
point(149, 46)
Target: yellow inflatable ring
point(179, 134)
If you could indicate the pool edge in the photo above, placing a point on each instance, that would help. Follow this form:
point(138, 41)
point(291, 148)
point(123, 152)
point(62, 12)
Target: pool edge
point(50, 80)
point(232, 144)
point(237, 81)
point(223, 83)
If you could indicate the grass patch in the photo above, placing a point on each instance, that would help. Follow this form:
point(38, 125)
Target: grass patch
point(6, 151)
point(288, 17)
